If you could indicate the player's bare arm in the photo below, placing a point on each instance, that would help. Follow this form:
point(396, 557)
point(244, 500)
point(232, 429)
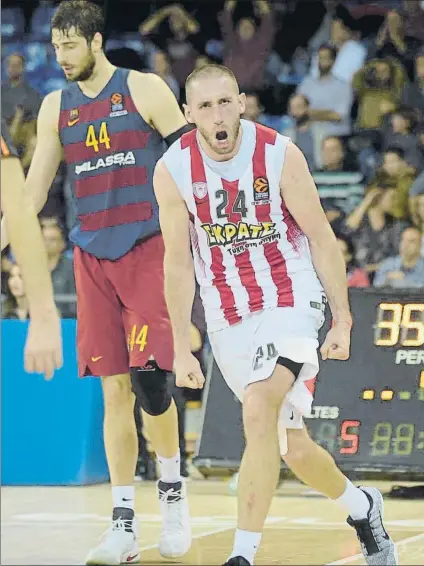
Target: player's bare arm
point(43, 349)
point(47, 157)
point(302, 200)
point(159, 107)
point(179, 274)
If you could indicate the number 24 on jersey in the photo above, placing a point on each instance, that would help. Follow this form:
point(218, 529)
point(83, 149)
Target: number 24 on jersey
point(94, 140)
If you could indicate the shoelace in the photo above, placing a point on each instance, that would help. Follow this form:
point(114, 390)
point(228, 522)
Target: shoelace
point(169, 494)
point(117, 525)
point(173, 515)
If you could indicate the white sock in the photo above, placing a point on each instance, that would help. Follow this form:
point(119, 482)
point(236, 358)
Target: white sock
point(246, 544)
point(123, 496)
point(169, 468)
point(354, 501)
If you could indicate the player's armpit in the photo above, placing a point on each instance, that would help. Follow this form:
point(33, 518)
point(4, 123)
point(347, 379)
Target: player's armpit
point(178, 262)
point(163, 112)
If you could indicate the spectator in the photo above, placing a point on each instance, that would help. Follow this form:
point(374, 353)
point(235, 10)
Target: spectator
point(330, 98)
point(254, 109)
point(19, 102)
point(413, 92)
point(6, 266)
point(351, 53)
point(403, 122)
point(405, 270)
point(356, 277)
point(401, 34)
point(375, 232)
point(417, 213)
point(378, 88)
point(323, 33)
point(246, 49)
point(302, 131)
point(420, 136)
point(397, 174)
point(175, 32)
point(162, 67)
point(16, 92)
point(15, 304)
point(335, 180)
point(255, 112)
point(417, 187)
point(60, 266)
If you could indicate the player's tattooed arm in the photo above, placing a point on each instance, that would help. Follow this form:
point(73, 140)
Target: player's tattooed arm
point(156, 103)
point(302, 200)
point(46, 159)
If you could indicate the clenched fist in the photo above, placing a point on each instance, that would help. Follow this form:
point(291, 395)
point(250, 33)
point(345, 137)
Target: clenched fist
point(337, 342)
point(188, 372)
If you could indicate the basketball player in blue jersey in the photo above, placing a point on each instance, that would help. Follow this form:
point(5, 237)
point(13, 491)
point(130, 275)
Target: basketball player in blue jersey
point(43, 349)
point(110, 124)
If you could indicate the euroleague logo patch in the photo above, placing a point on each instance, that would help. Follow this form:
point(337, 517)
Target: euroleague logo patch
point(200, 190)
point(117, 105)
point(261, 189)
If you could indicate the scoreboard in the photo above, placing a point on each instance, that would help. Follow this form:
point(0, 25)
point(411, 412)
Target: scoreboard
point(368, 412)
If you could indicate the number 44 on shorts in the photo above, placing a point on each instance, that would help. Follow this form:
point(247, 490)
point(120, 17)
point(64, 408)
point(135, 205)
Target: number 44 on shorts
point(267, 352)
point(138, 337)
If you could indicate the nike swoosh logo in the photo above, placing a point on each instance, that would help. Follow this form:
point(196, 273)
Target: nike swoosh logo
point(131, 558)
point(96, 359)
point(73, 122)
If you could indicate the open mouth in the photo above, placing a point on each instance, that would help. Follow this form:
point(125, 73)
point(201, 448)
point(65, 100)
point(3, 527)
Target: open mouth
point(221, 136)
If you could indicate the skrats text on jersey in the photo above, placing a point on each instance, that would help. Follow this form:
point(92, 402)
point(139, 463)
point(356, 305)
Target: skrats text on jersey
point(222, 235)
point(108, 161)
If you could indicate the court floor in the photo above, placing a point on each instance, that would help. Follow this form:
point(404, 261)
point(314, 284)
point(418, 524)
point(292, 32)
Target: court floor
point(57, 525)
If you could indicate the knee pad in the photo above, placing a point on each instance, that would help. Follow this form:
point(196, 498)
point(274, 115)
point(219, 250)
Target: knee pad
point(150, 386)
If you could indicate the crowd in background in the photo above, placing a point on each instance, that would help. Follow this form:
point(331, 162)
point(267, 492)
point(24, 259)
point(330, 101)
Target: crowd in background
point(344, 80)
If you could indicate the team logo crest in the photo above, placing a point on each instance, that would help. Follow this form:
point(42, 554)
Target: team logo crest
point(261, 189)
point(200, 190)
point(73, 116)
point(117, 105)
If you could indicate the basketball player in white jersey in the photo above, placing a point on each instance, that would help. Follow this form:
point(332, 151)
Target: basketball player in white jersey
point(266, 260)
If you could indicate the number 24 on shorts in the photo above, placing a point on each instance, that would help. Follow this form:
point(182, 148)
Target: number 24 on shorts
point(138, 338)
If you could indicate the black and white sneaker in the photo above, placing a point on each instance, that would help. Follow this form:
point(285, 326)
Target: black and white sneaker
point(377, 546)
point(237, 561)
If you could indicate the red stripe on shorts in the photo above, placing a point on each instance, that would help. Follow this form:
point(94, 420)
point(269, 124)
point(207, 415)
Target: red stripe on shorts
point(272, 253)
point(198, 175)
point(242, 260)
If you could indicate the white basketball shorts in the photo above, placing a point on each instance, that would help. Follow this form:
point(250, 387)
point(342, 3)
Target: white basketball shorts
point(247, 352)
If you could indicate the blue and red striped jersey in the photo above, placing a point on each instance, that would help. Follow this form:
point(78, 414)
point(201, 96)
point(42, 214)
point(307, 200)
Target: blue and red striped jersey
point(111, 153)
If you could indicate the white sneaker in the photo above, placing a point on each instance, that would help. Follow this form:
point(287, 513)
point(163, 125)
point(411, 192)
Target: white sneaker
point(175, 537)
point(117, 546)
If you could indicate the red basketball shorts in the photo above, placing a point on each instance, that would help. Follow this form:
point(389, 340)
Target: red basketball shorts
point(121, 311)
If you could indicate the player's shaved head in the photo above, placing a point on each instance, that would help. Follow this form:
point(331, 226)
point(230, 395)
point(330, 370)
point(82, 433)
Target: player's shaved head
point(214, 105)
point(212, 70)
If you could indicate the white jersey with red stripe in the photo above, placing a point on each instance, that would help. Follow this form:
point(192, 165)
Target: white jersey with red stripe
point(249, 253)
